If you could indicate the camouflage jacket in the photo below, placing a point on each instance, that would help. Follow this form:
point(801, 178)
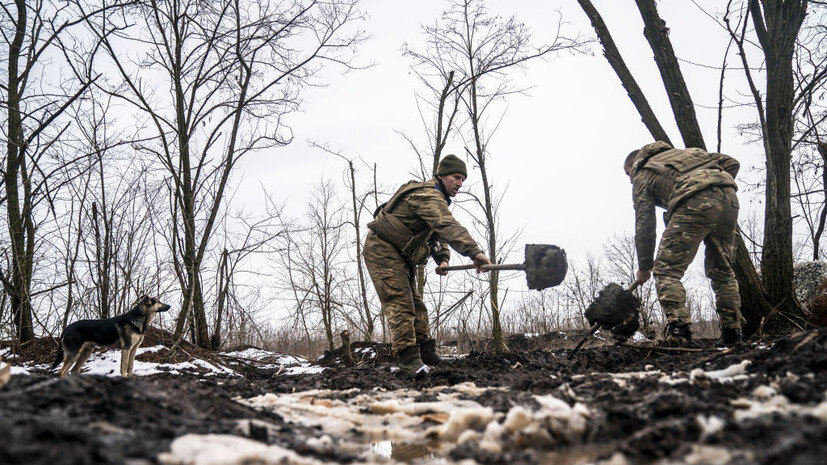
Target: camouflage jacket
point(665, 177)
point(424, 212)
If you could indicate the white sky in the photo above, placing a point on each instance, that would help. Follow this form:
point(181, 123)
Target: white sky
point(559, 149)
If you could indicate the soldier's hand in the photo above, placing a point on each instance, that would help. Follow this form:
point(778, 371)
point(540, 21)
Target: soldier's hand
point(440, 269)
point(479, 260)
point(643, 275)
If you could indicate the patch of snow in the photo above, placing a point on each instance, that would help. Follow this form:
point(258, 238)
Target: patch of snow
point(15, 370)
point(461, 420)
point(530, 335)
point(303, 370)
point(767, 401)
point(709, 425)
point(708, 455)
point(450, 418)
point(218, 449)
point(639, 337)
point(269, 359)
point(732, 373)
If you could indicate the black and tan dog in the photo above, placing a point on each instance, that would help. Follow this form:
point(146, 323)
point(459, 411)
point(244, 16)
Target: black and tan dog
point(125, 331)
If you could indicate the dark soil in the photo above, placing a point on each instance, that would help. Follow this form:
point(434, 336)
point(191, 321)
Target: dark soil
point(615, 309)
point(90, 419)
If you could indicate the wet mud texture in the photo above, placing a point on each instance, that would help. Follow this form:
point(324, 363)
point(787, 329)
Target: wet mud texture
point(90, 419)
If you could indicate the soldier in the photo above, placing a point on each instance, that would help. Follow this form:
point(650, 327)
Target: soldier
point(697, 189)
point(412, 225)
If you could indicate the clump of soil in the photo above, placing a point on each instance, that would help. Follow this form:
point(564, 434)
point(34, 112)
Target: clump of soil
point(615, 309)
point(546, 265)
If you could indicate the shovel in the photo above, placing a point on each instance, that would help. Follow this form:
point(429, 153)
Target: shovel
point(615, 309)
point(545, 266)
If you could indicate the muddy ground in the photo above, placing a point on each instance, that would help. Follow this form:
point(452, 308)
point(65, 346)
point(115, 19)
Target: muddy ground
point(636, 406)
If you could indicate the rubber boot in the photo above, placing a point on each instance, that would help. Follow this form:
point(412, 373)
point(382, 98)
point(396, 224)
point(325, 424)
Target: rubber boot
point(410, 360)
point(427, 349)
point(678, 333)
point(729, 337)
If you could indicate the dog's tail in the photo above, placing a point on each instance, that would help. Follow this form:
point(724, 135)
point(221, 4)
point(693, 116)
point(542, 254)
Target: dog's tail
point(59, 357)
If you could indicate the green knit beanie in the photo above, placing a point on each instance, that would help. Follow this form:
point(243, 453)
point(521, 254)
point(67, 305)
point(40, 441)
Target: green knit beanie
point(451, 164)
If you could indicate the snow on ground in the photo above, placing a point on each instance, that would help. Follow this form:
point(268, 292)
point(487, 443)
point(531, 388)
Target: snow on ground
point(219, 449)
point(767, 400)
point(266, 360)
point(108, 363)
point(368, 419)
point(733, 373)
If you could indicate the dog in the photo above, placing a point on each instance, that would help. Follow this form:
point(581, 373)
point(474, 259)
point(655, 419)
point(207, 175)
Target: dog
point(125, 331)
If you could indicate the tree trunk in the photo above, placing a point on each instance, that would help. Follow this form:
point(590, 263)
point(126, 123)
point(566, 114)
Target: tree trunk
point(657, 34)
point(20, 229)
point(777, 29)
point(822, 150)
point(493, 279)
point(754, 304)
point(628, 82)
point(359, 267)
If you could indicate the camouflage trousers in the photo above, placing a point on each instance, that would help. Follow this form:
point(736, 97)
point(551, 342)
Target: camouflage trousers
point(402, 305)
point(710, 216)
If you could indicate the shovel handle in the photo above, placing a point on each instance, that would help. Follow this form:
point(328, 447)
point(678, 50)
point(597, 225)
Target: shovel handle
point(513, 266)
point(634, 286)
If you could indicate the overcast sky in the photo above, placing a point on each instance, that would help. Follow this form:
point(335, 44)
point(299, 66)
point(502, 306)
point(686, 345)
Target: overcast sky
point(559, 149)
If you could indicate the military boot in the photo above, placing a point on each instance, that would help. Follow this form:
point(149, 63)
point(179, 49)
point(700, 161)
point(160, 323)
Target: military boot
point(678, 333)
point(410, 360)
point(729, 337)
point(428, 351)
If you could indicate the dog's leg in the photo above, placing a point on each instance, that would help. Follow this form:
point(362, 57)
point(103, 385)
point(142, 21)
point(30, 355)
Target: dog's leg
point(132, 354)
point(82, 357)
point(124, 360)
point(69, 357)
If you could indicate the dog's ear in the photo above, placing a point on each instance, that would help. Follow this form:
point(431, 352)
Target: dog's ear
point(145, 300)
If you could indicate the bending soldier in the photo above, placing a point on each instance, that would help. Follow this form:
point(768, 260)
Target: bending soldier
point(697, 189)
point(412, 225)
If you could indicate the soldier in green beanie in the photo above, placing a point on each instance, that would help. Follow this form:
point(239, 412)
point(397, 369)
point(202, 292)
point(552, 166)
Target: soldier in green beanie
point(414, 224)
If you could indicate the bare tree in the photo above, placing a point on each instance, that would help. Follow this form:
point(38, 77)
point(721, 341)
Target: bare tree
point(777, 25)
point(358, 203)
point(234, 69)
point(34, 110)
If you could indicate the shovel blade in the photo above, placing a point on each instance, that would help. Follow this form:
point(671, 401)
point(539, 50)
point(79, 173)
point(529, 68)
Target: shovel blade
point(545, 265)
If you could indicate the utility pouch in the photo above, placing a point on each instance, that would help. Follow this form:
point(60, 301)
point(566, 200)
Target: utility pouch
point(391, 230)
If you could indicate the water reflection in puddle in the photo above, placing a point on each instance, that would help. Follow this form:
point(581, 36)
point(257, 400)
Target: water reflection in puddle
point(403, 451)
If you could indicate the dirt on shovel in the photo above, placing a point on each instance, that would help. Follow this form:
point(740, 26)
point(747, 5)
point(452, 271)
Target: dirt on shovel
point(615, 309)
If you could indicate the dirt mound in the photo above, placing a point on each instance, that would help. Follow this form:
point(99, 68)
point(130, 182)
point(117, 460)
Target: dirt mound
point(102, 420)
point(37, 351)
point(364, 353)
